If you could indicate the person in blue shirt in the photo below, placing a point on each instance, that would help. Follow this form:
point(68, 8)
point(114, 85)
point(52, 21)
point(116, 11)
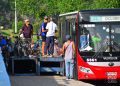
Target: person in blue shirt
point(3, 44)
point(3, 41)
point(43, 32)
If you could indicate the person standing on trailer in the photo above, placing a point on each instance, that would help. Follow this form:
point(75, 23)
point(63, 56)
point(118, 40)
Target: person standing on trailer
point(69, 50)
point(27, 34)
point(51, 30)
point(42, 33)
point(27, 30)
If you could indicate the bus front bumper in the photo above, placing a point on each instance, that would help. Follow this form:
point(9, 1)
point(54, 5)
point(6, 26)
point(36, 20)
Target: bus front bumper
point(98, 73)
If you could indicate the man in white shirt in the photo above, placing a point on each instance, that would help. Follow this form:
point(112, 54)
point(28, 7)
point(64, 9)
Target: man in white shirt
point(51, 30)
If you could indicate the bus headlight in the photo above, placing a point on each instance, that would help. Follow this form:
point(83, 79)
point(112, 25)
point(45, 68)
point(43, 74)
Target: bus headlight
point(85, 70)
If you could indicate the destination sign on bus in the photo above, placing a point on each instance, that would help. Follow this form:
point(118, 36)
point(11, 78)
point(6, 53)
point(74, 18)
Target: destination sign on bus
point(104, 18)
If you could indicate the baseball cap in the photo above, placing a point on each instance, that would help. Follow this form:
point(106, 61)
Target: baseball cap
point(68, 37)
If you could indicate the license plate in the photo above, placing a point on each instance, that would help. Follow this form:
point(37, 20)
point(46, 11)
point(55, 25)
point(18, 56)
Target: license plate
point(112, 75)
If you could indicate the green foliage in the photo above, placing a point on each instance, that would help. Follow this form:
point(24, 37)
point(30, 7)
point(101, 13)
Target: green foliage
point(97, 4)
point(37, 9)
point(13, 26)
point(36, 27)
point(40, 8)
point(19, 25)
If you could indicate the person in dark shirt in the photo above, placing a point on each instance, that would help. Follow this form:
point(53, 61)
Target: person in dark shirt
point(27, 32)
point(27, 29)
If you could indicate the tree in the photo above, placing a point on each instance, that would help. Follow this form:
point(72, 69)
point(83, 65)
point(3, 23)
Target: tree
point(5, 13)
point(37, 9)
point(98, 4)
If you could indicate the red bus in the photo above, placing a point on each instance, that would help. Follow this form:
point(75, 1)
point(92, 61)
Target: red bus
point(97, 38)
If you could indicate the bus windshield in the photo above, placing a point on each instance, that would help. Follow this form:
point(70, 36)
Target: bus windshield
point(99, 38)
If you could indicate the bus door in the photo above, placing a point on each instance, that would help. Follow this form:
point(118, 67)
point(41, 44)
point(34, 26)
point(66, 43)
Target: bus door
point(67, 27)
point(72, 29)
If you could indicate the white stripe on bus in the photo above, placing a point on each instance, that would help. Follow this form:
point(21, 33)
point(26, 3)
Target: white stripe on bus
point(103, 63)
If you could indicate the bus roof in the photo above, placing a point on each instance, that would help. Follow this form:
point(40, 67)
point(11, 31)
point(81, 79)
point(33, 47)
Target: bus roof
point(117, 10)
point(94, 10)
point(69, 13)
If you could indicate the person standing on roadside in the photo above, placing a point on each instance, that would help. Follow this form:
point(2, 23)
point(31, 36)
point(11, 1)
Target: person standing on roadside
point(69, 50)
point(51, 30)
point(43, 32)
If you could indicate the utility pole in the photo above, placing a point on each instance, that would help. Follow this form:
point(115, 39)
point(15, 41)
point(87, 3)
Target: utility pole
point(15, 18)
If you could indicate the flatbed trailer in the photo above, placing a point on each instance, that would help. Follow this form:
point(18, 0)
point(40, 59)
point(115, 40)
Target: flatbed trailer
point(36, 66)
point(51, 64)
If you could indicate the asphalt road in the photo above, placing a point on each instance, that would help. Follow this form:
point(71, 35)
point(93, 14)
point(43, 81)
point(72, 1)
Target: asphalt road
point(45, 81)
point(52, 81)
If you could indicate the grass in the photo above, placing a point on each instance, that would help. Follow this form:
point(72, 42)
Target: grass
point(7, 32)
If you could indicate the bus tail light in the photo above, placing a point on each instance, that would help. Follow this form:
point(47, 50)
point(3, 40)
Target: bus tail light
point(85, 70)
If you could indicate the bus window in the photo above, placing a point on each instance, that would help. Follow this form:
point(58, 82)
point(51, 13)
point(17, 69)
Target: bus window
point(73, 30)
point(115, 36)
point(67, 24)
point(94, 38)
point(63, 29)
point(60, 29)
point(67, 27)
